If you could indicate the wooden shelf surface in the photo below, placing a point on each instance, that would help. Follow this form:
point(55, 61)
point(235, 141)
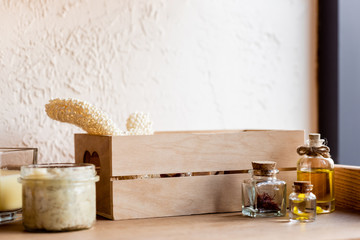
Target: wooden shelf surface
point(342, 224)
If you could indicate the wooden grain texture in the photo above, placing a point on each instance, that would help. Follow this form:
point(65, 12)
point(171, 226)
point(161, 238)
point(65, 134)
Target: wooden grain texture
point(174, 152)
point(338, 225)
point(102, 146)
point(202, 151)
point(347, 187)
point(160, 197)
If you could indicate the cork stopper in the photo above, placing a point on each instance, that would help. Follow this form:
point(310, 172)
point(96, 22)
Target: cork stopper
point(314, 140)
point(314, 136)
point(302, 186)
point(263, 165)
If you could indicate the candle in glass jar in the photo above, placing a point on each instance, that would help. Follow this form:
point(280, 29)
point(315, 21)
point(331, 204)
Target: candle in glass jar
point(10, 190)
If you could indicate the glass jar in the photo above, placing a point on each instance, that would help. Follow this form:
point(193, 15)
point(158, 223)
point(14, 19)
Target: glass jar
point(263, 195)
point(11, 160)
point(316, 166)
point(58, 197)
point(302, 202)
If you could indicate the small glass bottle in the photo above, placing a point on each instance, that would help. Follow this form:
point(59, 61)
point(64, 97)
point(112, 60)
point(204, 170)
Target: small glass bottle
point(302, 202)
point(263, 195)
point(316, 166)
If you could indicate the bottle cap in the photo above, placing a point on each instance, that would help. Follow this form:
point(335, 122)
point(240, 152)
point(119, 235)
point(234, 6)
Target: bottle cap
point(263, 165)
point(302, 186)
point(314, 136)
point(315, 140)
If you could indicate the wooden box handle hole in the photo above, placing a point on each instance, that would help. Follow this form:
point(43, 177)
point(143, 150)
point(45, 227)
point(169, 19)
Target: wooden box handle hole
point(94, 159)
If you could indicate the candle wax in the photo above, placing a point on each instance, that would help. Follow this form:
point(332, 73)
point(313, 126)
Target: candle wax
point(10, 190)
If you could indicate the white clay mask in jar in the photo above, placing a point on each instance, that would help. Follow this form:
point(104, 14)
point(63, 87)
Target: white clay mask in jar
point(58, 197)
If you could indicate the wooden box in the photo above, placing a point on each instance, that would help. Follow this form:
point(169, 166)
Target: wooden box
point(202, 153)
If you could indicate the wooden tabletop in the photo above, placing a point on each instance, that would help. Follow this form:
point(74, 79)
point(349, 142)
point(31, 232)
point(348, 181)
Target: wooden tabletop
point(341, 224)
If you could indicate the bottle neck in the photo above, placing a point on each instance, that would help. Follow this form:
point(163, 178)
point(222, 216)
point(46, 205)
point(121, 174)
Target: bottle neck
point(264, 174)
point(299, 190)
point(302, 192)
point(314, 149)
point(266, 178)
point(315, 143)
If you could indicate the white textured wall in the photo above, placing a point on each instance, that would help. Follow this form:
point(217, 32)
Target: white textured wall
point(196, 64)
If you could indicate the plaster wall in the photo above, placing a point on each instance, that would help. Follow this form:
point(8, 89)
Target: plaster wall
point(194, 65)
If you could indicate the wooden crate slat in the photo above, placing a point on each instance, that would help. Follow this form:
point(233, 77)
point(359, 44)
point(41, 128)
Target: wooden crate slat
point(160, 197)
point(347, 187)
point(201, 152)
point(176, 196)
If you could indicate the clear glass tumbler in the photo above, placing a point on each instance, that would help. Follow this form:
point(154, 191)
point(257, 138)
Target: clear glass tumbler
point(11, 159)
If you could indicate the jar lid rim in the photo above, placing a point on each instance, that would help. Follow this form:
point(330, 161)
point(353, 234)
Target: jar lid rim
point(60, 165)
point(61, 171)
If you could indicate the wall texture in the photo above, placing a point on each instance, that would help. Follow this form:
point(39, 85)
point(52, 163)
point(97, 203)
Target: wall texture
point(197, 64)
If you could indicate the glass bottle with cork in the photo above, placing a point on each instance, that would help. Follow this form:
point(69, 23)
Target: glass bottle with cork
point(263, 195)
point(302, 202)
point(316, 166)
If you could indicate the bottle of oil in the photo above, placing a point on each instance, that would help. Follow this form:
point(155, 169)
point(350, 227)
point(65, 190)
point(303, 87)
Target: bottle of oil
point(302, 202)
point(316, 166)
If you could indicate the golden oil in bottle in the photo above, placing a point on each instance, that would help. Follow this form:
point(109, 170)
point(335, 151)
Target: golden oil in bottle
point(322, 180)
point(302, 202)
point(316, 166)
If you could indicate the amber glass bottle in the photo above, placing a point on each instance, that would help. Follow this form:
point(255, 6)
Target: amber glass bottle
point(316, 166)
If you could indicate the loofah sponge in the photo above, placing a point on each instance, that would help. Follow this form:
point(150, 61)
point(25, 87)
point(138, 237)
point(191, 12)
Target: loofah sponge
point(93, 120)
point(83, 115)
point(139, 123)
point(96, 122)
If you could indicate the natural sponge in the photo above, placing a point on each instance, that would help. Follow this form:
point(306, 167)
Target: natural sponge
point(139, 123)
point(93, 120)
point(83, 115)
